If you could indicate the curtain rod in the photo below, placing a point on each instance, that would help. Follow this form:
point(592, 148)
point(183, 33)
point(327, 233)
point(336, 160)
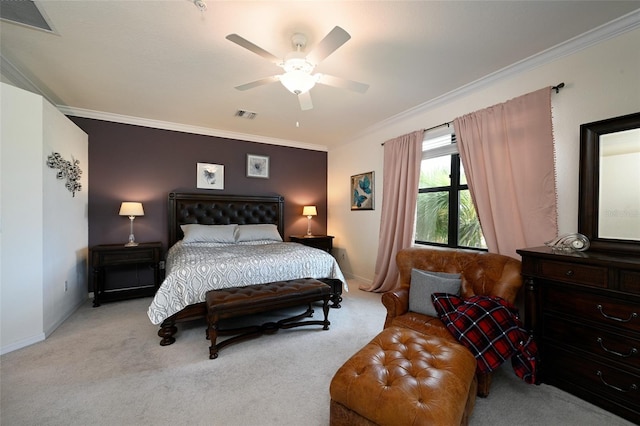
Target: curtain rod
point(556, 88)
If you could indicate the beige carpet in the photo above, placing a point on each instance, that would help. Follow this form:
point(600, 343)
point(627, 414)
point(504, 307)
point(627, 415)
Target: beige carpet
point(104, 366)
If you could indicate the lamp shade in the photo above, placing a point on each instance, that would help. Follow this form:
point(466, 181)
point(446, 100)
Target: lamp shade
point(128, 208)
point(309, 211)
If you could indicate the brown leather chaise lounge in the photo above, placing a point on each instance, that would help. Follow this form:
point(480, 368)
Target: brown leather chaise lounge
point(481, 273)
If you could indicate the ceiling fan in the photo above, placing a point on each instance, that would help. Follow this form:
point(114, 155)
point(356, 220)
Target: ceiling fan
point(298, 67)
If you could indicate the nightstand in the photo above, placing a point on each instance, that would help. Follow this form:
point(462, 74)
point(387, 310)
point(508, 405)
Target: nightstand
point(322, 242)
point(120, 263)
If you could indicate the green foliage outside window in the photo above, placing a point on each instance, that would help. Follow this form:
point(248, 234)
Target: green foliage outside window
point(432, 219)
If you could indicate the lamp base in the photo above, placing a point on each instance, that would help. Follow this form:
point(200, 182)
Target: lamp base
point(131, 244)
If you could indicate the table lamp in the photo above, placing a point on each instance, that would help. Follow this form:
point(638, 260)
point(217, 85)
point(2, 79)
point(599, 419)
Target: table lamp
point(131, 209)
point(309, 211)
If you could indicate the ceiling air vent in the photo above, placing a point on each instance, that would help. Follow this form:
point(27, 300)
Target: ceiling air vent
point(246, 114)
point(24, 12)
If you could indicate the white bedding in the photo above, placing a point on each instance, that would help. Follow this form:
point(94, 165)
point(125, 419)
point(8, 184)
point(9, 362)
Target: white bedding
point(195, 268)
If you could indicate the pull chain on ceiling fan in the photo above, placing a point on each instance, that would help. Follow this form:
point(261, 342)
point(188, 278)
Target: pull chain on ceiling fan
point(298, 67)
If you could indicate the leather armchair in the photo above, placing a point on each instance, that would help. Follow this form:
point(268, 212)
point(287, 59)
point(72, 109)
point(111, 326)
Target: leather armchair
point(481, 273)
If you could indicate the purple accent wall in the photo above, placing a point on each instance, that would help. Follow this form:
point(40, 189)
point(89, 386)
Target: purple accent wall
point(135, 163)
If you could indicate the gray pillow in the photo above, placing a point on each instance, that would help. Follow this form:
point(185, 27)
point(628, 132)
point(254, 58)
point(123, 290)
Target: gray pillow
point(425, 283)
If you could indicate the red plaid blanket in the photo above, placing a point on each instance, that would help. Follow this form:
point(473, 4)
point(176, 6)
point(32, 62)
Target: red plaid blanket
point(491, 329)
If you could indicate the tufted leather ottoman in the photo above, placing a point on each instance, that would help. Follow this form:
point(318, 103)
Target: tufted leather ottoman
point(403, 377)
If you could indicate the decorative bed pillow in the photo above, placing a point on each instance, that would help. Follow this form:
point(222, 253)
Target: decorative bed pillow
point(257, 232)
point(196, 233)
point(491, 329)
point(424, 284)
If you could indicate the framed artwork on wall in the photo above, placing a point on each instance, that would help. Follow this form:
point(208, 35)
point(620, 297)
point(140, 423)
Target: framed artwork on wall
point(257, 166)
point(210, 176)
point(362, 191)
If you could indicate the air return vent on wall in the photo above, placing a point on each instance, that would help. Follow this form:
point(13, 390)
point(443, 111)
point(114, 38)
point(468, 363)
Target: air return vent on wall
point(246, 114)
point(24, 12)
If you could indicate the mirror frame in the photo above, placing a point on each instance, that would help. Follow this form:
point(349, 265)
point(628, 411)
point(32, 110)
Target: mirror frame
point(588, 198)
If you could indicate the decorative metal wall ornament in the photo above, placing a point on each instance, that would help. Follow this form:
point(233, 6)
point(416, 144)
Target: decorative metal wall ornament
point(69, 170)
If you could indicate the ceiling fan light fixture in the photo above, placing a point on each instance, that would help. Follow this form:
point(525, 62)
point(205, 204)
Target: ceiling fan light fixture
point(298, 82)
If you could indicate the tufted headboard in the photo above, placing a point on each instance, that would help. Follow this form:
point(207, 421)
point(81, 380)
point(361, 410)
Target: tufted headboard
point(210, 209)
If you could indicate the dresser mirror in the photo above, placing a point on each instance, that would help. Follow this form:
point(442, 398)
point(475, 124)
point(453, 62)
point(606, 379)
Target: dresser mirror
point(609, 197)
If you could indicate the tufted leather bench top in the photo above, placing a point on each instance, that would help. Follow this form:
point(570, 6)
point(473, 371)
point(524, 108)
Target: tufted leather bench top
point(260, 297)
point(403, 377)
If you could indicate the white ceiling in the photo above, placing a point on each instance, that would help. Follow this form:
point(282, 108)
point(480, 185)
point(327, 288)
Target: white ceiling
point(170, 62)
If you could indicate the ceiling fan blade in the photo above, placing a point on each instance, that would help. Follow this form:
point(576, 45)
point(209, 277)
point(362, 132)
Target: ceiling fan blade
point(342, 83)
point(243, 42)
point(305, 101)
point(257, 83)
point(332, 41)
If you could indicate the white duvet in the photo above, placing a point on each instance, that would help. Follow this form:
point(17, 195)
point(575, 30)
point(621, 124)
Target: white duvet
point(193, 269)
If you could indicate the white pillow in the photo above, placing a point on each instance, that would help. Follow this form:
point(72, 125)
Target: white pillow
point(257, 232)
point(196, 233)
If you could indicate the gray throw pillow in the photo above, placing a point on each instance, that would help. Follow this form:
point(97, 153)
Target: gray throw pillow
point(425, 283)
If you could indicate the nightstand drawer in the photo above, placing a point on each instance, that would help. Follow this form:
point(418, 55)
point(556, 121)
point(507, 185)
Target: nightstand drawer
point(322, 242)
point(125, 257)
point(573, 273)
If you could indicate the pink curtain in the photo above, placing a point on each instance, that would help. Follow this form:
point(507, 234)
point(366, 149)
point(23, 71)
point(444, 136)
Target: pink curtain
point(402, 157)
point(508, 156)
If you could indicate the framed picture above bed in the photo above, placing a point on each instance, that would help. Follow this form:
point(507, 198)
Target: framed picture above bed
point(362, 191)
point(257, 166)
point(210, 176)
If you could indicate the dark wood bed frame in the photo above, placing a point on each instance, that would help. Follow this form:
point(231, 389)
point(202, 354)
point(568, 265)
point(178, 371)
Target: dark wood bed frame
point(208, 209)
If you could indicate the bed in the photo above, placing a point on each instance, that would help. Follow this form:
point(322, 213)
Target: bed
point(244, 246)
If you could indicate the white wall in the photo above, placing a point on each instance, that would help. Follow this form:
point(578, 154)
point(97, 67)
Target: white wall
point(66, 222)
point(602, 81)
point(44, 230)
point(21, 235)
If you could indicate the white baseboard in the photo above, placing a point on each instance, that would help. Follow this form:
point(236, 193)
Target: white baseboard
point(22, 343)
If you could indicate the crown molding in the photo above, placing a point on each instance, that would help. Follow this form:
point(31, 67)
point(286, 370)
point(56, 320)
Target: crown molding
point(184, 128)
point(615, 28)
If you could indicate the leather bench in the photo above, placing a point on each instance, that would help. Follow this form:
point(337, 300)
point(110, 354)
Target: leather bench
point(404, 377)
point(253, 299)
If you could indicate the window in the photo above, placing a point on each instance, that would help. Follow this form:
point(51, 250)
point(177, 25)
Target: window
point(445, 213)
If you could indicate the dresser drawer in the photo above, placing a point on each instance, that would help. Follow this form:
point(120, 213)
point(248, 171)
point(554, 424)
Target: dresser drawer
point(618, 313)
point(630, 281)
point(611, 346)
point(573, 273)
point(620, 385)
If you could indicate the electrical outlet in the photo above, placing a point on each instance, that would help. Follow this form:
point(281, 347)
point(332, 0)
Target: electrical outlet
point(66, 285)
point(161, 264)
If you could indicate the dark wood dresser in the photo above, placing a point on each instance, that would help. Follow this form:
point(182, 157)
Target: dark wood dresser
point(584, 311)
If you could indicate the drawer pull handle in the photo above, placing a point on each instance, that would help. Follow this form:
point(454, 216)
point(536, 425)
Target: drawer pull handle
point(633, 386)
point(632, 316)
point(632, 352)
point(569, 273)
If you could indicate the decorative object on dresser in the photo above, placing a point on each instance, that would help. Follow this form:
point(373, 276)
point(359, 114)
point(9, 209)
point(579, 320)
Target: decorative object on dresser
point(309, 211)
point(131, 209)
point(584, 307)
point(112, 257)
